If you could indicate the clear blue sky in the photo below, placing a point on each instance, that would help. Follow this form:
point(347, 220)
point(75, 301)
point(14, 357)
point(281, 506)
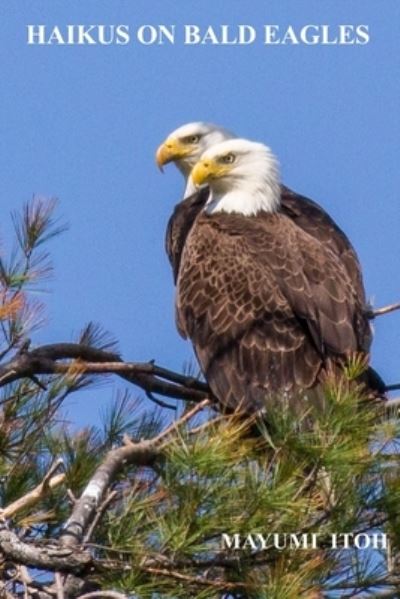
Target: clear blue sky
point(82, 124)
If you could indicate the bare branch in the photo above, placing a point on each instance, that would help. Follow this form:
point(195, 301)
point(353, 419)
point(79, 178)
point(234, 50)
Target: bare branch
point(100, 511)
point(4, 594)
point(142, 454)
point(46, 558)
point(59, 585)
point(394, 387)
point(49, 482)
point(385, 310)
point(59, 359)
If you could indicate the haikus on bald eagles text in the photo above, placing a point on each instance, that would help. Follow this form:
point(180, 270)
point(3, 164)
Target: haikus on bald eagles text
point(198, 35)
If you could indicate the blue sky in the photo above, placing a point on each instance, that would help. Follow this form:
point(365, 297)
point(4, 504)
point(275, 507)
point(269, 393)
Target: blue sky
point(82, 123)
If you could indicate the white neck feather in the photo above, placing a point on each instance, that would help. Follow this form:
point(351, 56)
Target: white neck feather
point(190, 188)
point(243, 202)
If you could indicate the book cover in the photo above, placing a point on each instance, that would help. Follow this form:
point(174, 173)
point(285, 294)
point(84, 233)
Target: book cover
point(89, 92)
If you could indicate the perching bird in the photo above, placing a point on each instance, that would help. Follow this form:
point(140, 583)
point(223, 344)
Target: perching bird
point(268, 308)
point(185, 145)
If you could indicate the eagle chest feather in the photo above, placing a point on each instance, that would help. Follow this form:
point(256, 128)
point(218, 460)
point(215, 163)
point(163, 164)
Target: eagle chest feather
point(231, 305)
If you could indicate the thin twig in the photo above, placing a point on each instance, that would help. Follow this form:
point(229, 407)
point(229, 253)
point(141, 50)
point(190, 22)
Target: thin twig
point(59, 585)
point(102, 508)
point(394, 387)
point(25, 579)
point(159, 402)
point(196, 580)
point(183, 419)
point(103, 595)
point(385, 310)
point(206, 425)
point(4, 594)
point(71, 497)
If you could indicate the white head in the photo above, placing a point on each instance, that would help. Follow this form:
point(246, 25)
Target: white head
point(243, 177)
point(185, 145)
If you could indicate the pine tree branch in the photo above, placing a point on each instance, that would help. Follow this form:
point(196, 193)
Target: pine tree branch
point(103, 595)
point(100, 512)
point(45, 558)
point(50, 359)
point(59, 585)
point(384, 310)
point(222, 585)
point(49, 482)
point(4, 594)
point(394, 387)
point(143, 453)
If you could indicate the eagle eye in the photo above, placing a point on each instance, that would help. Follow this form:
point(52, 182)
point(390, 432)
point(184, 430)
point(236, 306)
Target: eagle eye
point(228, 158)
point(191, 139)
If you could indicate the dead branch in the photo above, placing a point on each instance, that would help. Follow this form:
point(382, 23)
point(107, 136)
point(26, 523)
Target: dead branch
point(49, 482)
point(60, 359)
point(100, 512)
point(394, 387)
point(65, 358)
point(384, 310)
point(143, 453)
point(59, 585)
point(45, 558)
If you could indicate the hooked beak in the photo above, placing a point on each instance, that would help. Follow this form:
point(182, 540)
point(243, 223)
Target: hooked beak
point(169, 151)
point(202, 172)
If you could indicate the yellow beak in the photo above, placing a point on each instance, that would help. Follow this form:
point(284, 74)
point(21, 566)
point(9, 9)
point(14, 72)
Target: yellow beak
point(202, 172)
point(170, 150)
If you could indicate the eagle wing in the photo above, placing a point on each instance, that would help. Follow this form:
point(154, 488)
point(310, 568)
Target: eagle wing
point(312, 218)
point(305, 213)
point(179, 225)
point(265, 305)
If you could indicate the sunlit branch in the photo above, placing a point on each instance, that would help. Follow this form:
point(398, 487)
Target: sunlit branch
point(384, 310)
point(52, 359)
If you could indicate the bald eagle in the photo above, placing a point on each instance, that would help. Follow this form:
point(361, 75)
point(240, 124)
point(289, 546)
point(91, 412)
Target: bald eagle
point(267, 306)
point(185, 145)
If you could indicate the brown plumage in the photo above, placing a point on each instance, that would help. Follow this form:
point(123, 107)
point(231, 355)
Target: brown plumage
point(179, 225)
point(266, 306)
point(312, 218)
point(269, 289)
point(305, 213)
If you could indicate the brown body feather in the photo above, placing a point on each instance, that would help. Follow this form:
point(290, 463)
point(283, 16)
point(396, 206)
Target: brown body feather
point(179, 225)
point(308, 215)
point(266, 305)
